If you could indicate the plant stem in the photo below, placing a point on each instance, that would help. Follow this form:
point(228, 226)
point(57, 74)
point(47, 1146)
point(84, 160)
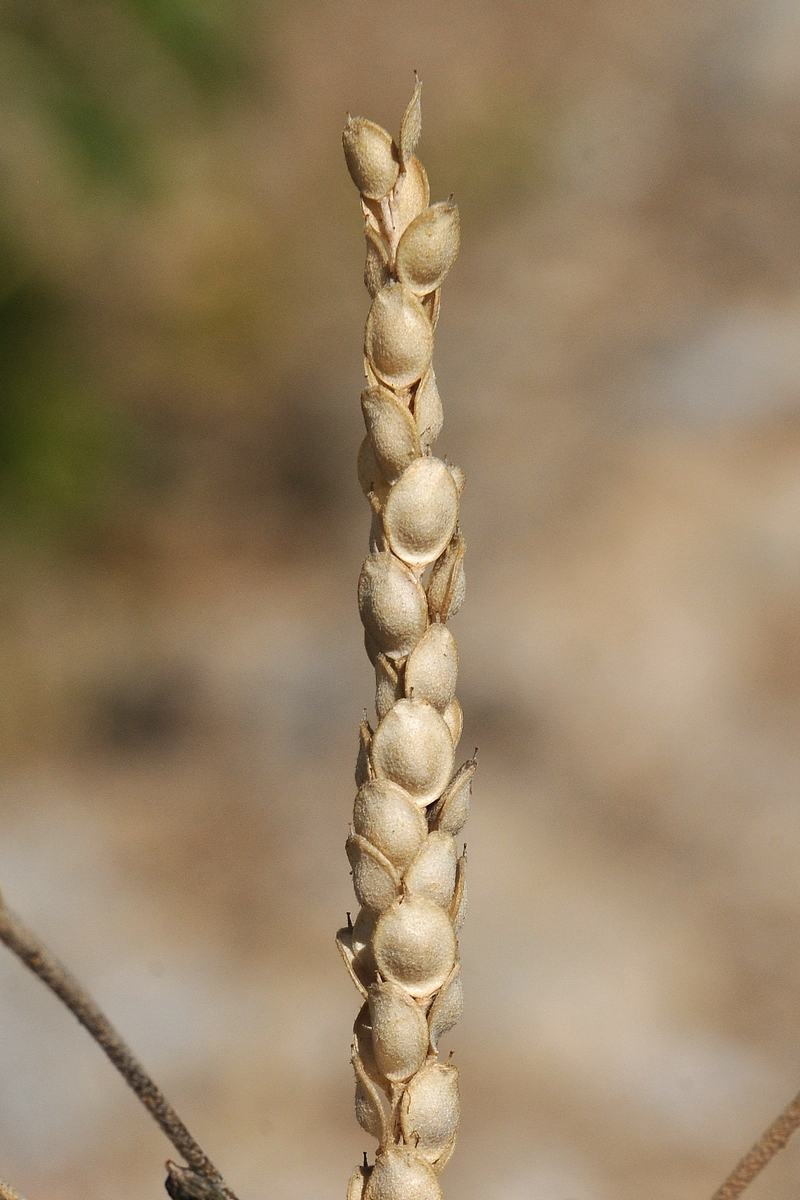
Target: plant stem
point(31, 951)
point(771, 1141)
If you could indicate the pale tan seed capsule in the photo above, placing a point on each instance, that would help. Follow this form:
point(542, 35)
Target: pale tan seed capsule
point(452, 809)
point(445, 1156)
point(370, 1112)
point(459, 478)
point(376, 266)
point(447, 584)
point(428, 248)
point(433, 871)
point(430, 1110)
point(364, 769)
point(391, 429)
point(454, 720)
point(370, 476)
point(399, 1031)
point(411, 126)
point(428, 411)
point(387, 817)
point(421, 511)
point(358, 1181)
point(412, 746)
point(363, 932)
point(398, 340)
point(375, 881)
point(388, 686)
point(448, 1007)
point(392, 604)
point(344, 944)
point(432, 304)
point(432, 667)
point(458, 905)
point(411, 195)
point(414, 945)
point(371, 157)
point(362, 1031)
point(402, 1174)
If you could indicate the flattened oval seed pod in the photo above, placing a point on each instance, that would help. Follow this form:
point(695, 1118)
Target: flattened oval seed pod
point(447, 585)
point(361, 941)
point(458, 906)
point(386, 816)
point(375, 881)
point(428, 411)
point(371, 157)
point(432, 667)
point(421, 511)
point(392, 604)
point(459, 478)
point(414, 945)
point(411, 195)
point(364, 770)
point(412, 747)
point(398, 340)
point(362, 1031)
point(454, 719)
point(399, 1031)
point(428, 248)
point(358, 1181)
point(430, 1110)
point(370, 1112)
point(411, 126)
point(388, 688)
point(432, 304)
point(450, 812)
point(376, 266)
point(344, 944)
point(447, 1008)
point(370, 476)
point(391, 429)
point(402, 1174)
point(433, 871)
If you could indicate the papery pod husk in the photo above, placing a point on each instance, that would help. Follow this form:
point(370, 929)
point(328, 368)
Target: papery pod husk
point(414, 945)
point(370, 1112)
point(447, 1008)
point(411, 127)
point(358, 1181)
point(344, 944)
point(398, 339)
point(458, 906)
point(361, 941)
point(371, 157)
point(459, 478)
point(371, 377)
point(428, 248)
point(402, 1174)
point(421, 511)
point(432, 303)
point(388, 686)
point(362, 1031)
point(412, 747)
point(400, 1033)
point(447, 585)
point(375, 881)
point(430, 1110)
point(411, 196)
point(433, 871)
point(370, 477)
point(428, 411)
point(391, 430)
point(454, 720)
point(364, 770)
point(451, 810)
point(432, 667)
point(377, 537)
point(376, 266)
point(386, 816)
point(392, 605)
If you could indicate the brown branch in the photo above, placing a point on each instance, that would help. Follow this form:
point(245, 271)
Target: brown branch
point(202, 1179)
point(771, 1141)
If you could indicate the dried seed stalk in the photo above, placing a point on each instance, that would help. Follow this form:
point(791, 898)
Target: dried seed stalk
point(409, 879)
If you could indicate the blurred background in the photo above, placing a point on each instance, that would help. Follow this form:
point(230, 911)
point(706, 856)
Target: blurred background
point(181, 667)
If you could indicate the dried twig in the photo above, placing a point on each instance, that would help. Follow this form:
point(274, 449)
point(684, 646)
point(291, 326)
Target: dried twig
point(202, 1180)
point(771, 1141)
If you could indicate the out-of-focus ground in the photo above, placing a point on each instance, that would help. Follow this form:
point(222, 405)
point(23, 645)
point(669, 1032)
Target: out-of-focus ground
point(181, 672)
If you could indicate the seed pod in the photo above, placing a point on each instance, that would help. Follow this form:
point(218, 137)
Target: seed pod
point(447, 1008)
point(414, 945)
point(447, 585)
point(387, 817)
point(459, 478)
point(392, 432)
point(430, 1110)
point(454, 720)
point(344, 944)
point(371, 157)
point(421, 511)
point(450, 812)
point(432, 667)
point(433, 871)
point(362, 1031)
point(411, 127)
point(411, 195)
point(358, 1181)
point(428, 248)
point(402, 1174)
point(399, 1031)
point(361, 941)
point(388, 686)
point(375, 881)
point(428, 411)
point(370, 476)
point(458, 905)
point(364, 770)
point(369, 1109)
point(432, 304)
point(392, 605)
point(412, 746)
point(376, 266)
point(398, 341)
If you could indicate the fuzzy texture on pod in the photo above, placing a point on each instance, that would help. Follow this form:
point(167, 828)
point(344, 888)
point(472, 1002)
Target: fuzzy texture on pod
point(410, 882)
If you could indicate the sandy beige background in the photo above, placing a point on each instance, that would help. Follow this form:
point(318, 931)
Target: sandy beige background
point(180, 661)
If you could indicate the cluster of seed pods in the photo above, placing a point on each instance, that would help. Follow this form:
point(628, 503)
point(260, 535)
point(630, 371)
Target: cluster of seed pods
point(409, 878)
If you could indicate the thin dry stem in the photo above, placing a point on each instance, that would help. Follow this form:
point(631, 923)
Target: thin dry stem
point(771, 1141)
point(203, 1179)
